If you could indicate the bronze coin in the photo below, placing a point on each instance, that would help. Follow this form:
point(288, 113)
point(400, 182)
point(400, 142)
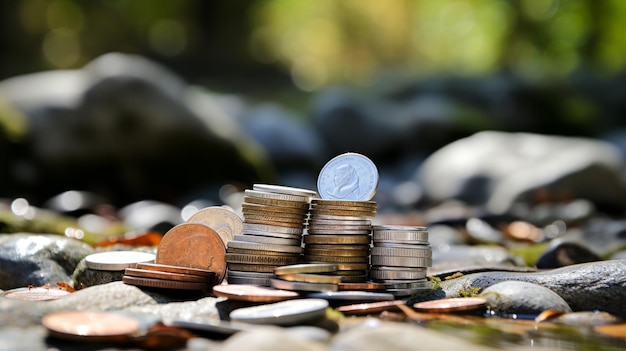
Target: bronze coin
point(361, 286)
point(193, 245)
point(372, 307)
point(100, 326)
point(311, 278)
point(35, 294)
point(451, 304)
point(262, 208)
point(243, 292)
point(145, 273)
point(337, 259)
point(333, 253)
point(176, 269)
point(164, 284)
point(224, 220)
point(276, 203)
point(336, 239)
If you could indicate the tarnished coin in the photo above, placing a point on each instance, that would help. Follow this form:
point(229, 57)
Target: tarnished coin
point(303, 205)
point(242, 292)
point(371, 307)
point(245, 267)
point(93, 326)
point(288, 312)
point(302, 286)
point(267, 240)
point(280, 189)
point(265, 247)
point(311, 278)
point(260, 252)
point(249, 281)
point(274, 223)
point(354, 278)
point(335, 222)
point(349, 176)
point(177, 269)
point(117, 260)
point(245, 207)
point(35, 293)
point(318, 231)
point(364, 249)
point(268, 218)
point(306, 268)
point(145, 273)
point(330, 217)
point(193, 245)
point(451, 305)
point(275, 196)
point(274, 214)
point(332, 253)
point(336, 239)
point(224, 220)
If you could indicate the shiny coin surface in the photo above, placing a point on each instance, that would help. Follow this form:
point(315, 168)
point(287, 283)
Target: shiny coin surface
point(208, 325)
point(35, 294)
point(341, 203)
point(105, 326)
point(302, 286)
point(275, 196)
point(332, 253)
point(266, 240)
point(252, 293)
point(306, 268)
point(176, 269)
point(284, 190)
point(401, 261)
point(264, 228)
point(387, 274)
point(224, 220)
point(193, 245)
point(302, 205)
point(451, 304)
point(164, 284)
point(265, 247)
point(288, 312)
point(246, 267)
point(415, 251)
point(311, 278)
point(361, 286)
point(336, 239)
point(372, 307)
point(262, 260)
point(337, 259)
point(364, 296)
point(117, 260)
point(134, 272)
point(349, 176)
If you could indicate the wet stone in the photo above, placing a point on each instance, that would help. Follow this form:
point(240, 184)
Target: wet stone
point(564, 254)
point(521, 298)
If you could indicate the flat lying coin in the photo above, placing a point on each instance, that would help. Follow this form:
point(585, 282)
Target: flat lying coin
point(283, 190)
point(301, 286)
point(349, 176)
point(372, 307)
point(164, 284)
point(364, 296)
point(146, 273)
point(176, 269)
point(451, 305)
point(224, 220)
point(311, 278)
point(306, 268)
point(35, 294)
point(93, 326)
point(282, 313)
point(241, 292)
point(117, 260)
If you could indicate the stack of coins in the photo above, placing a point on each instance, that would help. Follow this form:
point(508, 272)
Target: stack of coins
point(318, 277)
point(338, 232)
point(169, 277)
point(400, 257)
point(273, 221)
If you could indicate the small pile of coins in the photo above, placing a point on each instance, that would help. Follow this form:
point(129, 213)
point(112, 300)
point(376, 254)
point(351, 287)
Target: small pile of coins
point(169, 277)
point(400, 257)
point(307, 277)
point(338, 232)
point(273, 221)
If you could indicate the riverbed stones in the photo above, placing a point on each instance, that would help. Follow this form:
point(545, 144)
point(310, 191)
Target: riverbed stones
point(522, 298)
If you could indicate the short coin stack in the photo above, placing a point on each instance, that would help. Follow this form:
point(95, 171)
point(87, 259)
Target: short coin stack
point(400, 257)
point(311, 277)
point(273, 221)
point(169, 277)
point(338, 232)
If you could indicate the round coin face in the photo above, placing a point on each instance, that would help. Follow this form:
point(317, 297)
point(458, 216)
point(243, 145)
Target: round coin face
point(349, 176)
point(117, 260)
point(243, 292)
point(193, 245)
point(451, 304)
point(35, 294)
point(225, 221)
point(90, 325)
point(282, 313)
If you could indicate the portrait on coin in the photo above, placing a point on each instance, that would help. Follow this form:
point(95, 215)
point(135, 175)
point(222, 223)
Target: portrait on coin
point(346, 181)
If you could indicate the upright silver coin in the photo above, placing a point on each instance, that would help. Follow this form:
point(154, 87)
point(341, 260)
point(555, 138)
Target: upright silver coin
point(349, 176)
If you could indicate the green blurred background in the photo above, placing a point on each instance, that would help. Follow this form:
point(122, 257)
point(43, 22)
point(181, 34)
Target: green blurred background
point(248, 46)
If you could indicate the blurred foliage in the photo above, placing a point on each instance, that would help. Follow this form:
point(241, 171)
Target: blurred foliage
point(319, 42)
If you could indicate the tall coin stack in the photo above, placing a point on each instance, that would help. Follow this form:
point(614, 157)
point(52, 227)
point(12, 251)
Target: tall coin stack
point(400, 257)
point(339, 226)
point(274, 218)
point(339, 232)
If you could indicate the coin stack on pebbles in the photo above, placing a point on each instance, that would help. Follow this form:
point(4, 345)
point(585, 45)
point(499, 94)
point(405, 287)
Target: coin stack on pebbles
point(273, 221)
point(338, 232)
point(316, 277)
point(169, 277)
point(400, 257)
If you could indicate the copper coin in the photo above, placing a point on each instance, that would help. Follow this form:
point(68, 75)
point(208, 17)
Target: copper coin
point(145, 273)
point(105, 326)
point(164, 284)
point(336, 239)
point(176, 269)
point(35, 294)
point(372, 307)
point(242, 292)
point(451, 304)
point(224, 220)
point(361, 286)
point(193, 245)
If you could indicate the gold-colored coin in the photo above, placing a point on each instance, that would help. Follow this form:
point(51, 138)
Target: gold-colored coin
point(336, 259)
point(245, 267)
point(271, 218)
point(275, 196)
point(270, 213)
point(266, 260)
point(273, 223)
point(224, 220)
point(146, 273)
point(252, 293)
point(261, 208)
point(361, 286)
point(336, 239)
point(306, 268)
point(259, 252)
point(276, 203)
point(317, 231)
point(362, 248)
point(330, 228)
point(311, 278)
point(333, 253)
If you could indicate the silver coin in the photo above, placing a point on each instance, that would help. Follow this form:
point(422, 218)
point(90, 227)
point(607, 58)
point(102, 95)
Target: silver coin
point(288, 312)
point(379, 275)
point(235, 244)
point(401, 261)
point(275, 196)
point(223, 220)
point(117, 260)
point(271, 228)
point(407, 291)
point(349, 176)
point(407, 284)
point(249, 281)
point(314, 217)
point(418, 251)
point(267, 240)
point(400, 228)
point(331, 222)
point(317, 231)
point(269, 188)
point(273, 235)
point(244, 274)
point(351, 295)
point(384, 236)
point(302, 286)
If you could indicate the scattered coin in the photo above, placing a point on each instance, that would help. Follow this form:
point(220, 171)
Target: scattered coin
point(252, 293)
point(117, 260)
point(302, 286)
point(224, 220)
point(306, 268)
point(451, 305)
point(372, 307)
point(288, 312)
point(193, 245)
point(92, 326)
point(349, 176)
point(35, 293)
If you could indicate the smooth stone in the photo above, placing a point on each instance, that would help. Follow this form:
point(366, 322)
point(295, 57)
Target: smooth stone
point(515, 297)
point(585, 287)
point(38, 259)
point(561, 254)
point(267, 338)
point(586, 319)
point(466, 255)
